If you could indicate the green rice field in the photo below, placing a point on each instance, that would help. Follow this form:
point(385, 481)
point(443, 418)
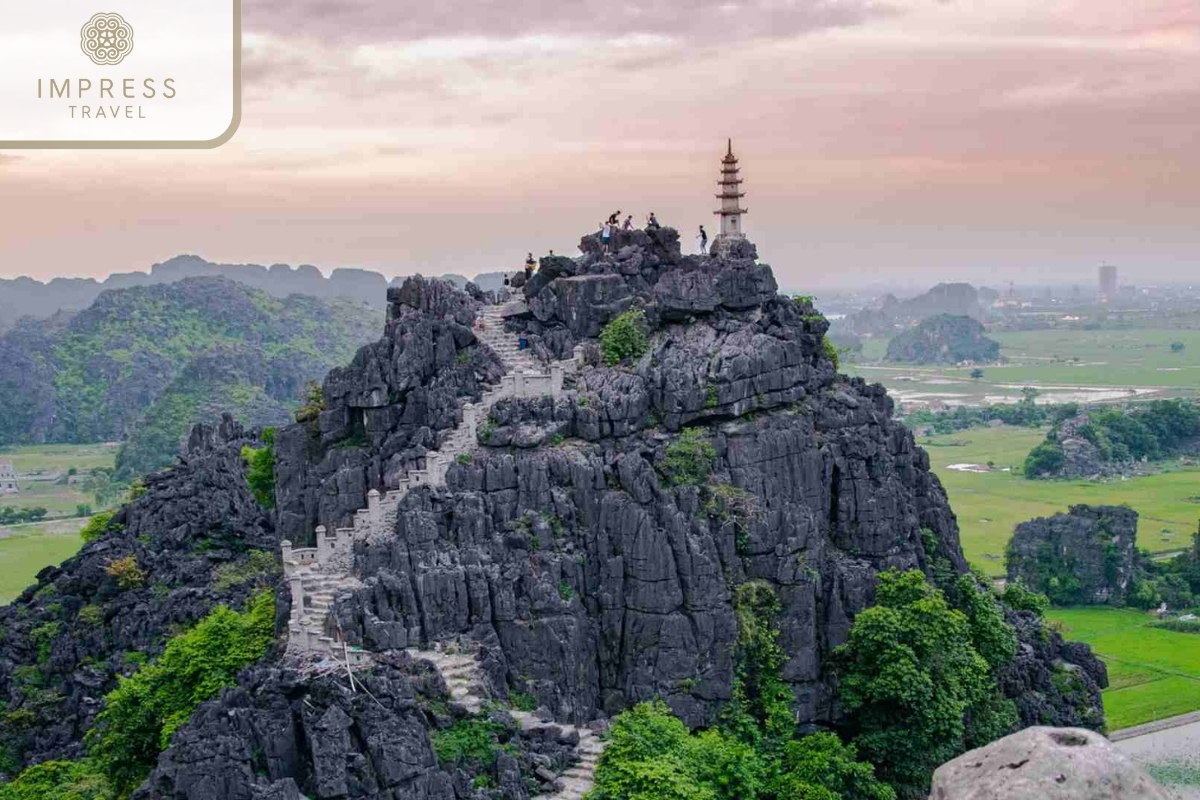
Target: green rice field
point(1067, 366)
point(59, 499)
point(1152, 673)
point(26, 549)
point(989, 504)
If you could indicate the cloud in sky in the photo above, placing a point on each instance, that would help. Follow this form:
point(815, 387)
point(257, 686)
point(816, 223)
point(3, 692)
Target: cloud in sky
point(707, 20)
point(917, 137)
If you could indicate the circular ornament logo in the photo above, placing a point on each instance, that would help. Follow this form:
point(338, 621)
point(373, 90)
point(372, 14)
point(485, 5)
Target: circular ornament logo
point(107, 39)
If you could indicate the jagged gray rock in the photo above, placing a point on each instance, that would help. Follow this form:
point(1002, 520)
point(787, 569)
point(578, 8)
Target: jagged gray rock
point(1048, 764)
point(1088, 555)
point(190, 520)
point(589, 547)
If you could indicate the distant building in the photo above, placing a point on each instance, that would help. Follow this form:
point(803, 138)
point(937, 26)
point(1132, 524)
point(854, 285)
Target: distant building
point(1108, 283)
point(8, 478)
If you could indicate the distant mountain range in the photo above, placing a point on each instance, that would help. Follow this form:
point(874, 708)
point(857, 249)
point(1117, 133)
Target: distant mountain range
point(142, 364)
point(26, 297)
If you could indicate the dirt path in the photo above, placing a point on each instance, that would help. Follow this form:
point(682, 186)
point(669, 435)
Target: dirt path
point(50, 527)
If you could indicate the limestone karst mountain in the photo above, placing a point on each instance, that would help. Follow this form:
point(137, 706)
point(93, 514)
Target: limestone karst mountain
point(150, 361)
point(478, 529)
point(944, 339)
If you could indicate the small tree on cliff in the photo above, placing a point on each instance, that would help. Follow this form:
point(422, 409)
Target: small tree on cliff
point(915, 690)
point(624, 337)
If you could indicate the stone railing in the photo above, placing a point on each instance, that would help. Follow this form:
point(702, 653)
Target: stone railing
point(316, 574)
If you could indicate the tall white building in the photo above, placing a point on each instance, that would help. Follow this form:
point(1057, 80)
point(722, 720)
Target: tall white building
point(731, 196)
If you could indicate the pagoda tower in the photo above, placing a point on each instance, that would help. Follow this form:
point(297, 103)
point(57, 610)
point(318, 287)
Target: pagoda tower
point(730, 196)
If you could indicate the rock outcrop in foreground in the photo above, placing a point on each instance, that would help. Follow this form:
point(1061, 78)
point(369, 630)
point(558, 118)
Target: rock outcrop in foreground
point(1048, 764)
point(1088, 555)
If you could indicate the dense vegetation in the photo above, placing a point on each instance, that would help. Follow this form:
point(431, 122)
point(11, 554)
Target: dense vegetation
point(917, 676)
point(1160, 429)
point(944, 339)
point(260, 468)
point(142, 713)
point(11, 515)
point(959, 418)
point(624, 338)
point(1175, 581)
point(753, 755)
point(151, 360)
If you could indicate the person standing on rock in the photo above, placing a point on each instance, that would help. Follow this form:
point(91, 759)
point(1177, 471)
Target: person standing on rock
point(605, 235)
point(614, 218)
point(703, 240)
point(530, 266)
point(652, 222)
point(629, 222)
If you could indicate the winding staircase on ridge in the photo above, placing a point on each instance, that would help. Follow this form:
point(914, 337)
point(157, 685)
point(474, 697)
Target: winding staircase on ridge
point(317, 575)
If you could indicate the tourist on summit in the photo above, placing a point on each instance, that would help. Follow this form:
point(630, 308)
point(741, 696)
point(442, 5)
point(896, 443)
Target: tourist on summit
point(652, 222)
point(530, 265)
point(605, 234)
point(629, 222)
point(703, 240)
point(614, 217)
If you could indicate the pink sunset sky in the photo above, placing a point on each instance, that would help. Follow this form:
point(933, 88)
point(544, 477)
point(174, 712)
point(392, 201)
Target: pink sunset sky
point(899, 141)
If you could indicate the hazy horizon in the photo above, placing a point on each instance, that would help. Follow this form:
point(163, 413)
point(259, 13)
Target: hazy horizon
point(907, 142)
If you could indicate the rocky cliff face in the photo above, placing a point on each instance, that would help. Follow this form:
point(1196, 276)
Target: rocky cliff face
point(66, 639)
point(1088, 555)
point(591, 545)
point(397, 400)
point(565, 545)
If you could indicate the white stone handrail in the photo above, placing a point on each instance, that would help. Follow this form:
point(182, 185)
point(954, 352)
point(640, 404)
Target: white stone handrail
point(330, 562)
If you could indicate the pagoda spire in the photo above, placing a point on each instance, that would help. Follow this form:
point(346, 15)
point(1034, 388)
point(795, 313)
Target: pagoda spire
point(731, 195)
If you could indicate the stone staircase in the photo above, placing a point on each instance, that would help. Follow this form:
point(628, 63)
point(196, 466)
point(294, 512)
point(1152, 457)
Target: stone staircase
point(460, 669)
point(310, 609)
point(317, 574)
point(506, 345)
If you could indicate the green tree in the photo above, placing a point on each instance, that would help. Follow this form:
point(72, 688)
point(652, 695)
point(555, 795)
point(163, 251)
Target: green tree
point(909, 681)
point(977, 373)
point(689, 459)
point(96, 526)
point(831, 352)
point(142, 713)
point(1044, 460)
point(260, 468)
point(753, 755)
point(624, 337)
point(820, 766)
point(760, 710)
point(58, 780)
point(1018, 598)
